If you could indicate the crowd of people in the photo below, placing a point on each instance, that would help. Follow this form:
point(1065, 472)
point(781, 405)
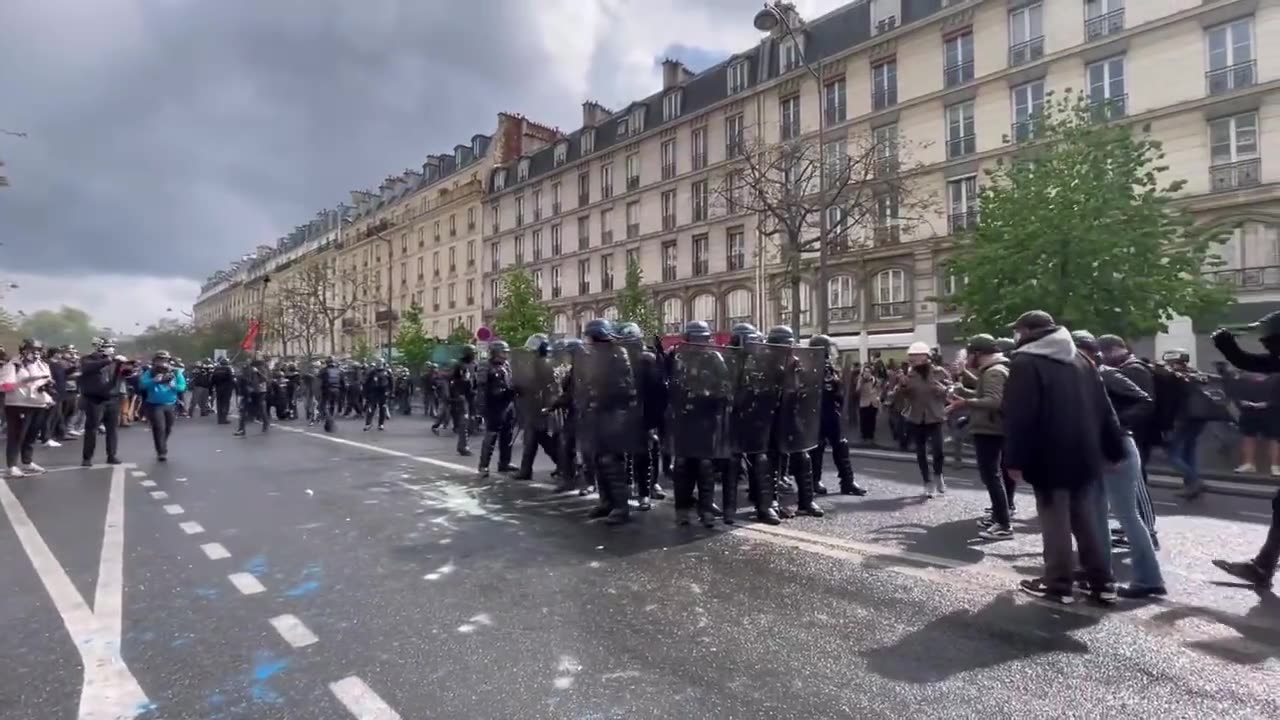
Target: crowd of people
point(1073, 416)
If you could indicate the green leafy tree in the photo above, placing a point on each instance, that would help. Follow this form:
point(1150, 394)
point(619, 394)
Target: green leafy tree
point(414, 346)
point(362, 351)
point(1081, 224)
point(461, 335)
point(635, 305)
point(521, 313)
point(67, 325)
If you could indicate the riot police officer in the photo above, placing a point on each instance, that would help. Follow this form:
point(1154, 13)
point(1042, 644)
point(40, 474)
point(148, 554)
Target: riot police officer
point(831, 426)
point(534, 380)
point(255, 385)
point(462, 397)
point(700, 395)
point(377, 385)
point(610, 417)
point(756, 399)
point(224, 383)
point(499, 415)
point(796, 430)
point(332, 389)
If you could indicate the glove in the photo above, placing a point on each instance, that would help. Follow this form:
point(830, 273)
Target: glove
point(1221, 335)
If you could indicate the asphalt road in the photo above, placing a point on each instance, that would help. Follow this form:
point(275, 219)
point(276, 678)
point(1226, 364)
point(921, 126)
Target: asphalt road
point(374, 576)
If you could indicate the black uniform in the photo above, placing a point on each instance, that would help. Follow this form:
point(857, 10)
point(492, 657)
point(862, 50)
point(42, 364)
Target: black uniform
point(254, 386)
point(462, 400)
point(831, 432)
point(224, 383)
point(377, 386)
point(499, 416)
point(102, 388)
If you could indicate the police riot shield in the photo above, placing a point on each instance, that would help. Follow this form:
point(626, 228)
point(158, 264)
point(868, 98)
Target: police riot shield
point(531, 374)
point(700, 388)
point(800, 411)
point(608, 408)
point(849, 376)
point(757, 394)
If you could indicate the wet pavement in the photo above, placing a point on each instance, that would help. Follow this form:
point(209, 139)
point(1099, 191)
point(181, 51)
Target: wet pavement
point(374, 575)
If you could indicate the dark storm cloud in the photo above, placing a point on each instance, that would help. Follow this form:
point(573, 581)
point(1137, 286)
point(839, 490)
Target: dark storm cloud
point(165, 137)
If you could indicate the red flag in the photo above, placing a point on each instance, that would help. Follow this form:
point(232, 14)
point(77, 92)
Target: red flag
point(251, 336)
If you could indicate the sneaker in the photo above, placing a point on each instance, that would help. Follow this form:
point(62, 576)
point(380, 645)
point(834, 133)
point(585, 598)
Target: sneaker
point(995, 533)
point(1247, 571)
point(1105, 594)
point(113, 461)
point(942, 485)
point(74, 434)
point(1247, 468)
point(986, 522)
point(15, 472)
point(52, 444)
point(928, 489)
point(32, 469)
point(1040, 589)
point(86, 463)
point(1120, 541)
point(1142, 592)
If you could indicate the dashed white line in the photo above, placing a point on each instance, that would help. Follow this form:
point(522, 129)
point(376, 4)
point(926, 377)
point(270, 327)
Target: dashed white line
point(137, 473)
point(159, 495)
point(191, 527)
point(215, 551)
point(147, 483)
point(293, 631)
point(361, 701)
point(180, 480)
point(247, 584)
point(174, 509)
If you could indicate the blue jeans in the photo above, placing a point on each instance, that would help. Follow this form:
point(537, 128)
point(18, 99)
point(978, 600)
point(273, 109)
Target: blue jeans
point(1121, 483)
point(1182, 452)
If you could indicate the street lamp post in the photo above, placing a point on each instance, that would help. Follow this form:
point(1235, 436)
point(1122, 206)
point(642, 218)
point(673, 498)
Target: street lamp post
point(262, 310)
point(768, 19)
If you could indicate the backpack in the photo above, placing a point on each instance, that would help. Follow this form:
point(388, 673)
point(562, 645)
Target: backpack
point(1170, 392)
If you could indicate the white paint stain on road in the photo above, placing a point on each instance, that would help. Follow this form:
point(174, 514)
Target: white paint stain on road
point(137, 473)
point(440, 572)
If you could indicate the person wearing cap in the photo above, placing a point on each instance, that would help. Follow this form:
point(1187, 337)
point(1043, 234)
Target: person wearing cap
point(162, 385)
point(102, 392)
point(25, 381)
point(924, 394)
point(1060, 432)
point(986, 425)
point(1261, 570)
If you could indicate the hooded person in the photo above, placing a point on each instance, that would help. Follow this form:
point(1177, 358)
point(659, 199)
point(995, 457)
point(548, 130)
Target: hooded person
point(1060, 432)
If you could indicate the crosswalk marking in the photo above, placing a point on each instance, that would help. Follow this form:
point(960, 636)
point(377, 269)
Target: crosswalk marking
point(361, 701)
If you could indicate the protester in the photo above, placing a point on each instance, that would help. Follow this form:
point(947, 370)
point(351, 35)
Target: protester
point(986, 425)
point(25, 381)
point(924, 393)
point(869, 390)
point(102, 389)
point(1258, 398)
point(162, 385)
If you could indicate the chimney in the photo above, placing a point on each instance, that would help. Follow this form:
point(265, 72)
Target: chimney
point(674, 74)
point(387, 187)
point(593, 113)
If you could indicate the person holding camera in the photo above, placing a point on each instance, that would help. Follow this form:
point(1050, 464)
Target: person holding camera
point(25, 381)
point(102, 389)
point(162, 385)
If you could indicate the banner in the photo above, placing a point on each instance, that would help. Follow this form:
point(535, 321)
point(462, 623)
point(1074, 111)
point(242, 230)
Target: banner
point(251, 336)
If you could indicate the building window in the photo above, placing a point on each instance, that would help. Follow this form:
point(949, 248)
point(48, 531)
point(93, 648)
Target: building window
point(1233, 152)
point(633, 171)
point(495, 258)
point(624, 127)
point(735, 250)
point(499, 179)
point(668, 159)
point(1102, 18)
point(606, 227)
point(789, 117)
point(584, 232)
point(835, 101)
point(739, 76)
point(555, 241)
point(537, 283)
point(435, 299)
point(701, 255)
point(633, 220)
point(1106, 88)
point(587, 143)
point(668, 209)
point(1026, 34)
point(884, 85)
point(637, 119)
point(733, 137)
point(1028, 101)
point(670, 257)
point(961, 136)
point(957, 64)
point(471, 253)
point(453, 226)
point(884, 14)
point(471, 292)
point(698, 191)
point(704, 309)
point(672, 315)
point(885, 146)
point(584, 276)
point(962, 204)
point(738, 306)
point(519, 244)
point(891, 294)
point(471, 218)
point(633, 257)
point(838, 228)
point(1231, 61)
point(733, 186)
point(886, 230)
point(537, 245)
point(555, 198)
point(495, 293)
point(522, 171)
point(606, 181)
point(606, 273)
point(842, 303)
point(671, 105)
point(561, 153)
point(698, 144)
point(421, 273)
point(496, 217)
point(519, 213)
point(806, 304)
point(584, 189)
point(452, 295)
point(435, 262)
point(453, 260)
point(537, 205)
point(555, 282)
point(788, 55)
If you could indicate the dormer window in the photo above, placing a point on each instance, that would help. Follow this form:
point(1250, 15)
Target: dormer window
point(499, 179)
point(523, 172)
point(637, 120)
point(624, 126)
point(475, 147)
point(561, 153)
point(788, 55)
point(588, 141)
point(671, 105)
point(739, 72)
point(457, 157)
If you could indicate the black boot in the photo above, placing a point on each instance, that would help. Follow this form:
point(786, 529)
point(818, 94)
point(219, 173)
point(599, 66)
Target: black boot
point(804, 489)
point(728, 492)
point(613, 473)
point(486, 452)
point(844, 468)
point(527, 455)
point(706, 494)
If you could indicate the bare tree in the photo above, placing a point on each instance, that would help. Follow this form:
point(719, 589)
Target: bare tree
point(317, 297)
point(870, 198)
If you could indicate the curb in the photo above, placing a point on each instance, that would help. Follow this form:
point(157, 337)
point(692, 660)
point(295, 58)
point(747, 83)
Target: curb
point(1168, 482)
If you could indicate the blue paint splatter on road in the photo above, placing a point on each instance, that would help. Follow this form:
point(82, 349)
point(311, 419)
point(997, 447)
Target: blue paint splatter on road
point(265, 667)
point(257, 566)
point(312, 576)
point(207, 593)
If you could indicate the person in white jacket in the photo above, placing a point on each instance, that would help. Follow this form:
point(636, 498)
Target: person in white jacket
point(25, 380)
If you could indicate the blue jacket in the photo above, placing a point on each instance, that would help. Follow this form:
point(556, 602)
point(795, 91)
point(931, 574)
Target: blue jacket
point(163, 393)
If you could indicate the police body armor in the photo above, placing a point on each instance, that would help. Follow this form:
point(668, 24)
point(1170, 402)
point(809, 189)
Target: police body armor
point(700, 396)
point(608, 410)
point(534, 380)
point(800, 411)
point(757, 395)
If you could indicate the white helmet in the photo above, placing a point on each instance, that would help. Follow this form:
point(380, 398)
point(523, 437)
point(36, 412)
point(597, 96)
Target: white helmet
point(918, 348)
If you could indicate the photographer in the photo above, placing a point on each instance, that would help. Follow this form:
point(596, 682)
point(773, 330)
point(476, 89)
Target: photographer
point(25, 381)
point(102, 388)
point(162, 384)
point(924, 393)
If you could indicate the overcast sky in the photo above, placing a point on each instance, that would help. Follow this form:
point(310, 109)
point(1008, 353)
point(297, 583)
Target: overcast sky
point(166, 137)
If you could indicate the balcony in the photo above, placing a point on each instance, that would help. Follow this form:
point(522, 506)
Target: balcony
point(1255, 278)
point(890, 310)
point(1236, 175)
point(736, 261)
point(881, 99)
point(668, 222)
point(961, 146)
point(606, 191)
point(435, 274)
point(784, 313)
point(584, 288)
point(1024, 130)
point(350, 323)
point(436, 237)
point(519, 259)
point(668, 273)
point(733, 149)
point(1105, 109)
point(886, 235)
point(555, 249)
point(1104, 25)
point(633, 230)
point(555, 208)
point(962, 222)
point(842, 314)
point(496, 228)
point(537, 214)
point(633, 183)
point(453, 269)
point(382, 317)
point(699, 162)
point(957, 74)
point(555, 292)
point(699, 212)
point(453, 232)
point(519, 219)
point(1025, 52)
point(584, 242)
point(884, 167)
point(701, 267)
point(453, 304)
point(471, 225)
point(471, 264)
point(584, 199)
point(668, 171)
point(1232, 77)
point(435, 307)
point(606, 237)
point(838, 242)
point(606, 283)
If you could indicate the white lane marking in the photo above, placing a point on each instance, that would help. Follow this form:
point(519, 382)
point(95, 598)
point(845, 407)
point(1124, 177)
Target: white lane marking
point(384, 451)
point(246, 583)
point(137, 473)
point(1164, 503)
point(147, 483)
point(293, 631)
point(191, 527)
point(159, 495)
point(108, 597)
point(180, 480)
point(110, 691)
point(361, 701)
point(215, 551)
point(1260, 516)
point(174, 509)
